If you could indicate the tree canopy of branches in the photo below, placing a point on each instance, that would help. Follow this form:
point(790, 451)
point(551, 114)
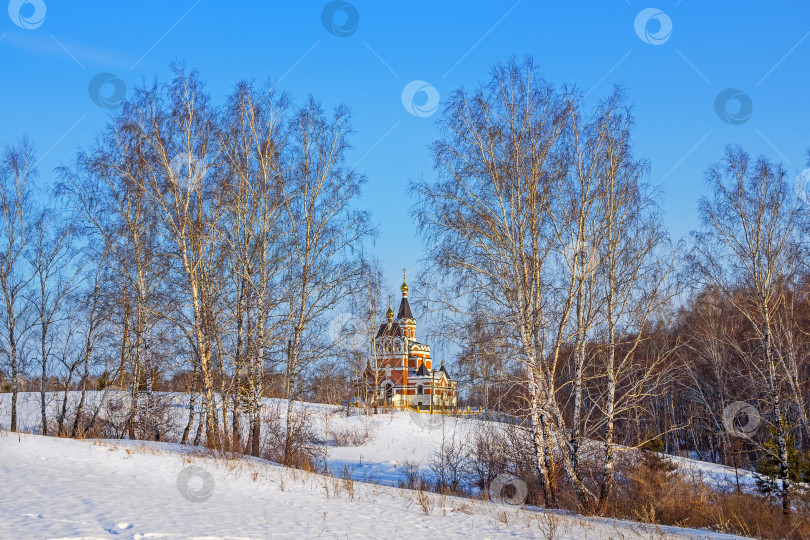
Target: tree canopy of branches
point(232, 229)
point(539, 224)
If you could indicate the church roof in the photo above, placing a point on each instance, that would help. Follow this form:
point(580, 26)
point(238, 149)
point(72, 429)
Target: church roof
point(392, 329)
point(422, 371)
point(404, 310)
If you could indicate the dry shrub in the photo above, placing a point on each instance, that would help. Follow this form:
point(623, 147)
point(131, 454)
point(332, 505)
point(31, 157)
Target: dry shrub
point(450, 466)
point(648, 488)
point(305, 452)
point(162, 424)
point(412, 478)
point(549, 525)
point(423, 499)
point(84, 430)
point(494, 451)
point(347, 483)
point(116, 417)
point(652, 489)
point(349, 436)
point(489, 454)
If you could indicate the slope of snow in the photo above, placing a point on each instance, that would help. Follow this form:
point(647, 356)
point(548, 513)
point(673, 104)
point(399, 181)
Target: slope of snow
point(721, 476)
point(395, 441)
point(64, 488)
point(394, 438)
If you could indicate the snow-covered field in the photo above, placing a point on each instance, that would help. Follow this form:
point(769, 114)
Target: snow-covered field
point(394, 438)
point(64, 488)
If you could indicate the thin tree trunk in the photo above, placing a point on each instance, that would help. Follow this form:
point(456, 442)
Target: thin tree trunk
point(288, 441)
point(80, 407)
point(15, 373)
point(777, 411)
point(191, 400)
point(43, 384)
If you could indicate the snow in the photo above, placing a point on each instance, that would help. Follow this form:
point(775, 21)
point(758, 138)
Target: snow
point(66, 488)
point(393, 438)
point(718, 475)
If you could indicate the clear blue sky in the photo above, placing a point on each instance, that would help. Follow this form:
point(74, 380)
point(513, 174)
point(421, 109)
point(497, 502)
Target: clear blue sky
point(760, 48)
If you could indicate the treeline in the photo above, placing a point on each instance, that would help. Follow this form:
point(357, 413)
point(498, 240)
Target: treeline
point(576, 314)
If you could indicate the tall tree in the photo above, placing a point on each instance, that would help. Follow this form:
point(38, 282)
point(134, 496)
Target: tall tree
point(17, 173)
point(486, 220)
point(539, 224)
point(176, 130)
point(51, 259)
point(254, 229)
point(104, 188)
point(324, 231)
point(634, 270)
point(750, 223)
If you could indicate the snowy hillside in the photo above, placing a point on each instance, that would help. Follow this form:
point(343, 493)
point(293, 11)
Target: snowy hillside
point(393, 439)
point(63, 488)
point(68, 488)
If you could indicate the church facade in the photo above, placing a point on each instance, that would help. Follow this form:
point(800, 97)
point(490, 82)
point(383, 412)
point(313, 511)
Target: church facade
point(402, 369)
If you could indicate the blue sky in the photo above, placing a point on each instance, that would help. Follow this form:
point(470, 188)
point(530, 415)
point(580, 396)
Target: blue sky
point(672, 77)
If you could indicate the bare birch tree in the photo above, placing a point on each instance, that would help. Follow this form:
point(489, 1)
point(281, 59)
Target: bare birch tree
point(634, 273)
point(539, 223)
point(356, 342)
point(176, 133)
point(750, 222)
point(253, 145)
point(104, 188)
point(324, 229)
point(52, 261)
point(92, 316)
point(486, 220)
point(17, 172)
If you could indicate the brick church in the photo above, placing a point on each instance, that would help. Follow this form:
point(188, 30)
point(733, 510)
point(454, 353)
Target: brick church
point(402, 366)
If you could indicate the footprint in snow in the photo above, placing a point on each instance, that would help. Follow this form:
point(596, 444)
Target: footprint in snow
point(114, 529)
